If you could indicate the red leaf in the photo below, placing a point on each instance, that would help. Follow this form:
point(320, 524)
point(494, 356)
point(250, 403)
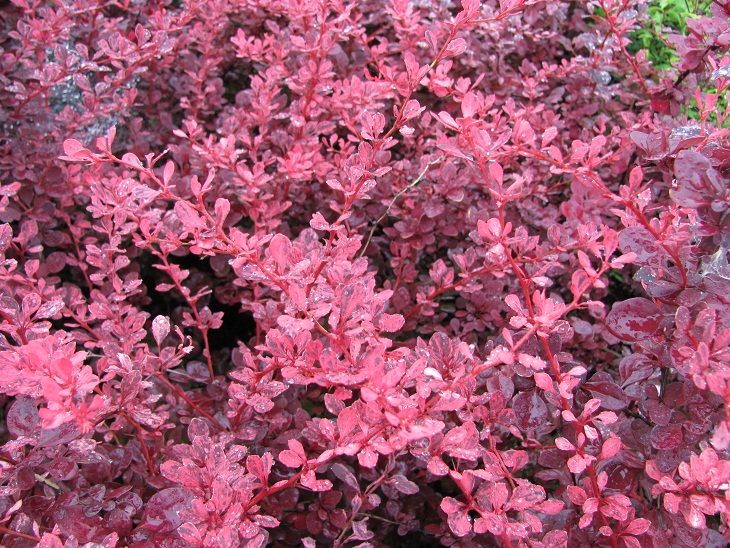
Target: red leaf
point(530, 410)
point(660, 103)
point(667, 437)
point(634, 320)
point(602, 386)
point(638, 240)
point(346, 475)
point(404, 485)
point(22, 417)
point(162, 511)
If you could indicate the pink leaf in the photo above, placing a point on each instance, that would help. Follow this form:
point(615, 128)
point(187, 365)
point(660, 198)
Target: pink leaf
point(458, 520)
point(131, 159)
point(310, 482)
point(160, 329)
point(469, 105)
point(456, 47)
point(168, 172)
point(576, 464)
point(563, 444)
point(577, 495)
point(638, 527)
point(611, 447)
point(318, 223)
point(222, 208)
point(188, 215)
point(453, 151)
point(290, 458)
point(544, 381)
point(391, 322)
point(75, 151)
point(367, 458)
point(526, 495)
point(279, 247)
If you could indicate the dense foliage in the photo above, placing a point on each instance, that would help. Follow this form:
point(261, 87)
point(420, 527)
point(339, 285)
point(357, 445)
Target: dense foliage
point(364, 273)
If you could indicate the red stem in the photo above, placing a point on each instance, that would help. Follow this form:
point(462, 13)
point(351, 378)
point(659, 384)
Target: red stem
point(192, 404)
point(6, 531)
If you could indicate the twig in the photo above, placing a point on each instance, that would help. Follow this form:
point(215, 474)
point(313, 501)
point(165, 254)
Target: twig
point(6, 531)
point(48, 482)
point(395, 198)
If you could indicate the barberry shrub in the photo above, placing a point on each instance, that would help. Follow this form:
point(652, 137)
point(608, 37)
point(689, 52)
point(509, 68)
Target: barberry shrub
point(365, 273)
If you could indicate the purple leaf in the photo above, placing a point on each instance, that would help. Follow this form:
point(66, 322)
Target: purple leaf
point(404, 485)
point(530, 410)
point(162, 511)
point(637, 239)
point(603, 387)
point(22, 418)
point(634, 320)
point(666, 437)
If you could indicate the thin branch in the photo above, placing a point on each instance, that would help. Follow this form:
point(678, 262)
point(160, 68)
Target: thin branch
point(395, 198)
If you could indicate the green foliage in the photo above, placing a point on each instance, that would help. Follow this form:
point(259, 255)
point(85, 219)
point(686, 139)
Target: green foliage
point(665, 17)
point(693, 112)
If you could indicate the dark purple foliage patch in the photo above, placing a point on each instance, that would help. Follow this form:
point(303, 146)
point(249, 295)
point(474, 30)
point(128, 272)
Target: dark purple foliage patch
point(362, 274)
